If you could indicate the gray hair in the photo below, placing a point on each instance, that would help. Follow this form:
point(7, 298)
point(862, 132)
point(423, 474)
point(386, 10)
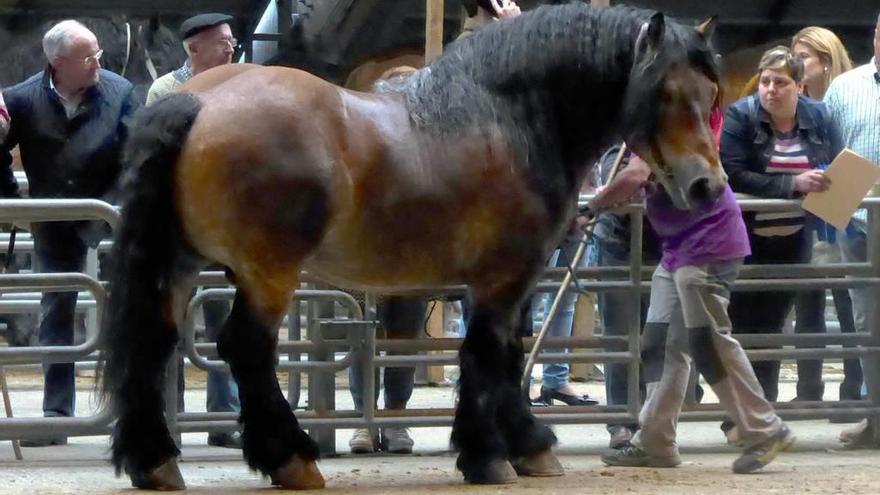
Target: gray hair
point(56, 41)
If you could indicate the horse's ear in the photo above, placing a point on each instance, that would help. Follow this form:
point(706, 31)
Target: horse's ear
point(655, 32)
point(650, 37)
point(707, 27)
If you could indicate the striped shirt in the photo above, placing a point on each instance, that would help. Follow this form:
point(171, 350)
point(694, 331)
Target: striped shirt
point(788, 157)
point(853, 100)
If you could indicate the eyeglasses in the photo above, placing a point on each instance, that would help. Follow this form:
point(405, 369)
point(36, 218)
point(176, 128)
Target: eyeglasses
point(232, 42)
point(93, 59)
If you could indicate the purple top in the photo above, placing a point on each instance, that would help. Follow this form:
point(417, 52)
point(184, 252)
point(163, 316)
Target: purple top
point(693, 238)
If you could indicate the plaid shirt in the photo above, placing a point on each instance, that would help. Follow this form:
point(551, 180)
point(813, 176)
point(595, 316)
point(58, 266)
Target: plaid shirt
point(854, 102)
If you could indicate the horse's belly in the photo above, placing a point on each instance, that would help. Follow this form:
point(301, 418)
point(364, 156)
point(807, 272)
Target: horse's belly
point(389, 270)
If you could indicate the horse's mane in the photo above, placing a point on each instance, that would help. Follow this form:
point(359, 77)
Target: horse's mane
point(559, 61)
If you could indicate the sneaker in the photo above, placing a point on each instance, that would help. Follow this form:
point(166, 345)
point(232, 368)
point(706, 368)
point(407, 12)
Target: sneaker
point(758, 456)
point(620, 437)
point(361, 442)
point(396, 440)
point(632, 456)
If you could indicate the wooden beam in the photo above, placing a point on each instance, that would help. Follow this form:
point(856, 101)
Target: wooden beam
point(433, 29)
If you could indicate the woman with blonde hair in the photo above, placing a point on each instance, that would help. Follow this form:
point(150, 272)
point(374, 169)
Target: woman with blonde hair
point(824, 56)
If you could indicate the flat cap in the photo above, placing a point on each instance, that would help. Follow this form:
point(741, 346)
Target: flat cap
point(198, 23)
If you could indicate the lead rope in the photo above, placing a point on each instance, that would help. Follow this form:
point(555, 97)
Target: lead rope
point(588, 232)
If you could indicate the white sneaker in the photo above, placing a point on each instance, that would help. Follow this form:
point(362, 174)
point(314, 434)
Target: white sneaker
point(361, 441)
point(396, 440)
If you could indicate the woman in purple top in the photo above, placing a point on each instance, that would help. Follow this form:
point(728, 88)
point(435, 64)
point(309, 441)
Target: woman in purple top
point(687, 319)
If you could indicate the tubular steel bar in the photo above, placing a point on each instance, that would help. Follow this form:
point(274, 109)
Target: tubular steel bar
point(188, 328)
point(56, 210)
point(631, 279)
point(51, 282)
point(872, 365)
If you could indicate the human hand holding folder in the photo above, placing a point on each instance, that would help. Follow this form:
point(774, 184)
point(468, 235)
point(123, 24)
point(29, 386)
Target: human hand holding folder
point(851, 178)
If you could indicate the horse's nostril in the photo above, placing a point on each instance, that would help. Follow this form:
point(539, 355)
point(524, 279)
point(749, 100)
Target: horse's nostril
point(699, 190)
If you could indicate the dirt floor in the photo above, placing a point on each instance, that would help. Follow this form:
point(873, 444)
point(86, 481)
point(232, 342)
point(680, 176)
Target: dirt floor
point(800, 472)
point(816, 465)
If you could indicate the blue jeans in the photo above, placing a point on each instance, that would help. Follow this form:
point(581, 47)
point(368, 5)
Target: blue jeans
point(854, 249)
point(221, 389)
point(58, 248)
point(615, 308)
point(401, 318)
point(556, 374)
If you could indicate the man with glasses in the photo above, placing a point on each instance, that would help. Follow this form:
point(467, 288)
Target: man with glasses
point(69, 122)
point(208, 41)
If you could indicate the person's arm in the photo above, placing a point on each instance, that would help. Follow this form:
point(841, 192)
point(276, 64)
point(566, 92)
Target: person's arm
point(4, 119)
point(624, 186)
point(8, 184)
point(130, 105)
point(835, 139)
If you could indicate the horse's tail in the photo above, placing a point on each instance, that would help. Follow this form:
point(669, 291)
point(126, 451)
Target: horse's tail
point(138, 331)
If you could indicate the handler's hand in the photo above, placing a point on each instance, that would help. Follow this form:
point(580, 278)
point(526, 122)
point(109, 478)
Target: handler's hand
point(506, 8)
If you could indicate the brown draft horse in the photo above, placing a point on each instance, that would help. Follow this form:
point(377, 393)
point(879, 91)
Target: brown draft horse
point(467, 172)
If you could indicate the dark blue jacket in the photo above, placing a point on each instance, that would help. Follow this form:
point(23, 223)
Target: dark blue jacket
point(747, 145)
point(67, 158)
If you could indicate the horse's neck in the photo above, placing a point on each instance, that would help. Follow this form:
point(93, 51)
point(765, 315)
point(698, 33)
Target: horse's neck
point(586, 86)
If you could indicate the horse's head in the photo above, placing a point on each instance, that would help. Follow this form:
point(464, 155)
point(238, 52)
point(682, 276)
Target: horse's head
point(672, 91)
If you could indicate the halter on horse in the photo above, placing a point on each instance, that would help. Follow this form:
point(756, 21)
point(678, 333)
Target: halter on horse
point(467, 172)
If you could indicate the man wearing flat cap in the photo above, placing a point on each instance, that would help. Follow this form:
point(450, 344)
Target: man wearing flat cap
point(208, 41)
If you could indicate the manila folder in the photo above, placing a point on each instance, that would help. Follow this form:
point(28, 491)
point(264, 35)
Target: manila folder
point(851, 178)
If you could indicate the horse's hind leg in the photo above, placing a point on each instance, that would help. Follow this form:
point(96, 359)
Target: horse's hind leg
point(493, 424)
point(142, 443)
point(273, 441)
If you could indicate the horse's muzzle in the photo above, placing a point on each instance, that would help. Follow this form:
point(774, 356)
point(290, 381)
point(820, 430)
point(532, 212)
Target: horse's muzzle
point(704, 190)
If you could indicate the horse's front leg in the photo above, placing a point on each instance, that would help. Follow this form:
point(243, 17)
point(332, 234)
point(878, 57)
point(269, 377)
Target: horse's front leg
point(273, 441)
point(529, 441)
point(494, 429)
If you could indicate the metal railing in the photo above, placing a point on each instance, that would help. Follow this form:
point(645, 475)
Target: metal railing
point(360, 338)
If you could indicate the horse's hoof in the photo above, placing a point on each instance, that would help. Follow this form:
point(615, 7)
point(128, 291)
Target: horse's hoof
point(541, 464)
point(298, 474)
point(496, 472)
point(164, 478)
